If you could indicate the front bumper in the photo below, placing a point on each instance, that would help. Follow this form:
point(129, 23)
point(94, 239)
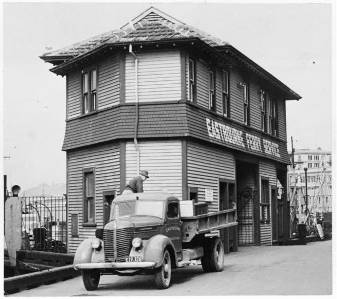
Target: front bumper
point(116, 266)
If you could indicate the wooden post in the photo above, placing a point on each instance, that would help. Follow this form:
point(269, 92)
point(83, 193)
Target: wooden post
point(13, 227)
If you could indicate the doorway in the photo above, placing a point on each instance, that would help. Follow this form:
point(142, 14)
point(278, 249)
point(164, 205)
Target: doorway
point(247, 196)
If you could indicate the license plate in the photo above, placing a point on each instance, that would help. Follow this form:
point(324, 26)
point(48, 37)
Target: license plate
point(133, 259)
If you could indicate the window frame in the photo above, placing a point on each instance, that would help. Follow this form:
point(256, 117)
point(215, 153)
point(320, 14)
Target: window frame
point(192, 86)
point(265, 207)
point(229, 184)
point(245, 100)
point(89, 96)
point(263, 107)
point(85, 216)
point(194, 190)
point(212, 90)
point(225, 94)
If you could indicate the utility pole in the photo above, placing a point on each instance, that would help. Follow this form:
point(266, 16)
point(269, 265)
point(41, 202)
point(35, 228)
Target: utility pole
point(306, 190)
point(292, 153)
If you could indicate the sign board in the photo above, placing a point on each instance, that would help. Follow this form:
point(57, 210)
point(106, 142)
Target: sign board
point(208, 194)
point(229, 135)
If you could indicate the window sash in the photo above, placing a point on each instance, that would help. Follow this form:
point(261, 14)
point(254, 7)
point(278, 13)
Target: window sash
point(265, 202)
point(191, 67)
point(211, 90)
point(93, 80)
point(262, 100)
point(89, 91)
point(89, 197)
point(225, 82)
point(244, 93)
point(245, 113)
point(225, 104)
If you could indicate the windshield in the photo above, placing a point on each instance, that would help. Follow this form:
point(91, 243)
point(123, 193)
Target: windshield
point(139, 208)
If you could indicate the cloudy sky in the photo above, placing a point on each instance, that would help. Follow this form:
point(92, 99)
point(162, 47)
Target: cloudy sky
point(292, 41)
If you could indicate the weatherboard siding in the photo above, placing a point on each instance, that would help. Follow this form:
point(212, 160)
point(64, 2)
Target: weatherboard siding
point(205, 166)
point(159, 76)
point(73, 86)
point(163, 161)
point(202, 77)
point(236, 108)
point(282, 119)
point(108, 82)
point(108, 86)
point(105, 160)
point(255, 107)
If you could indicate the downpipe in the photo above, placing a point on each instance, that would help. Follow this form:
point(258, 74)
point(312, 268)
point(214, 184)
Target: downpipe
point(135, 141)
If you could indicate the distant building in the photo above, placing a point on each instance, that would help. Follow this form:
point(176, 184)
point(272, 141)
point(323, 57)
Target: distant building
point(319, 181)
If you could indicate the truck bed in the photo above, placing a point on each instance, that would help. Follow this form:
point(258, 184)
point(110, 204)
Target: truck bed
point(206, 223)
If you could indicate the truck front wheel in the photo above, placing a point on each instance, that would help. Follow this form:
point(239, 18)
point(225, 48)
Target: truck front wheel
point(163, 277)
point(213, 259)
point(90, 279)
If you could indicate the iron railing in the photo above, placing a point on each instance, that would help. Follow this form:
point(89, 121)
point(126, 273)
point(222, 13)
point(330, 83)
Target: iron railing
point(44, 223)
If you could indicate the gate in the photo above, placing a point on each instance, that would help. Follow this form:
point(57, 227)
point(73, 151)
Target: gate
point(44, 223)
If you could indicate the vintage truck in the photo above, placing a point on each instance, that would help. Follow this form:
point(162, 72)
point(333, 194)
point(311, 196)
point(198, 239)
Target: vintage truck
point(152, 233)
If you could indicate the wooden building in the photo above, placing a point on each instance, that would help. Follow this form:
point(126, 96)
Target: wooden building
point(206, 121)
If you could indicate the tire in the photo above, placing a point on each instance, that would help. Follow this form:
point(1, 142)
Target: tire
point(163, 277)
point(213, 259)
point(91, 279)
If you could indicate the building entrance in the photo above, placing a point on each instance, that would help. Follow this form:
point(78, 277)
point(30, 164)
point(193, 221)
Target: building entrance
point(247, 197)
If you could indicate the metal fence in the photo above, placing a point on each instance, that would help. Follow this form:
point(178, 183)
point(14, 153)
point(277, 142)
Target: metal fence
point(44, 223)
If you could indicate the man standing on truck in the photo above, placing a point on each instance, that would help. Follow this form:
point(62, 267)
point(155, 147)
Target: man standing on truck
point(135, 185)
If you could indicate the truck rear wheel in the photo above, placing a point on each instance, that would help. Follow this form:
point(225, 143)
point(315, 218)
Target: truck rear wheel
point(213, 259)
point(90, 279)
point(163, 277)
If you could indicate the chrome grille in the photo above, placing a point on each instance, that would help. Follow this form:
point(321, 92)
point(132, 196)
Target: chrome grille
point(123, 246)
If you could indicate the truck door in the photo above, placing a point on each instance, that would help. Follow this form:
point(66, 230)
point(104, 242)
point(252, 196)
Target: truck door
point(173, 225)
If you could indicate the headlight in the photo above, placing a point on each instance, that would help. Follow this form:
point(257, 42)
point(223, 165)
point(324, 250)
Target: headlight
point(137, 242)
point(96, 243)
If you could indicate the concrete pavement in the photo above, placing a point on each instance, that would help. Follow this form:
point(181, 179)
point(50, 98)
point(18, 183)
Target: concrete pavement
point(264, 270)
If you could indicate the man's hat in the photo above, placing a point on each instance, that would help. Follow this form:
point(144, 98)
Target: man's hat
point(144, 173)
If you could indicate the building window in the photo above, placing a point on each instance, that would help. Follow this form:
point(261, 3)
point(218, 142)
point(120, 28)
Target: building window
point(310, 157)
point(316, 165)
point(193, 194)
point(263, 111)
point(265, 202)
point(211, 90)
point(191, 80)
point(89, 196)
point(245, 103)
point(272, 117)
point(316, 157)
point(227, 198)
point(309, 165)
point(89, 91)
point(225, 93)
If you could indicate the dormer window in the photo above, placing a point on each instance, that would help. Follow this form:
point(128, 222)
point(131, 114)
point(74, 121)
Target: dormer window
point(89, 91)
point(211, 91)
point(191, 81)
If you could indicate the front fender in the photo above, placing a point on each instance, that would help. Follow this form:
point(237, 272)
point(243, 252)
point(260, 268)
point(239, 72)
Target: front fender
point(154, 249)
point(86, 254)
